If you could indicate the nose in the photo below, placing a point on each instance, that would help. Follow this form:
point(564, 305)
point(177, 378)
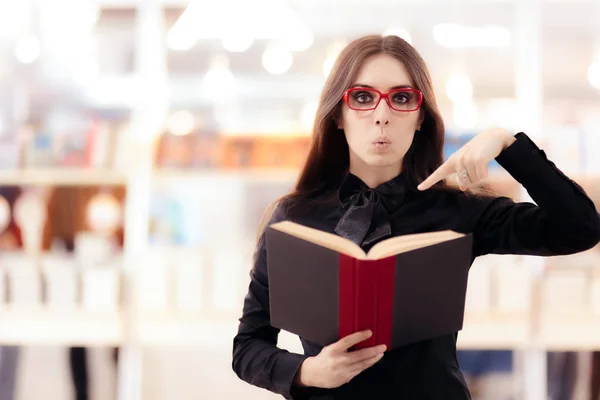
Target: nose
point(382, 113)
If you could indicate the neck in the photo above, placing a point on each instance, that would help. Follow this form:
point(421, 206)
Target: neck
point(373, 176)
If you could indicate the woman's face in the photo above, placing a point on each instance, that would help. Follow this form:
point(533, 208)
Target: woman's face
point(382, 136)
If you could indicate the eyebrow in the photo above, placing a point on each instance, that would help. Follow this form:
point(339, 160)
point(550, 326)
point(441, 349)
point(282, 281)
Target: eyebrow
point(395, 87)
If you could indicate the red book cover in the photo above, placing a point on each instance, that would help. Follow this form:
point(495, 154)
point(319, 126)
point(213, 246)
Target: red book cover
point(323, 287)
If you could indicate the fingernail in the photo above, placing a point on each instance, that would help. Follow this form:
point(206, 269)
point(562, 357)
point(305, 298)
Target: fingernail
point(369, 333)
point(383, 347)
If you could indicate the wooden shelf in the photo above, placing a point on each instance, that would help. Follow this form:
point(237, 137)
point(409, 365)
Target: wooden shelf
point(185, 331)
point(481, 331)
point(47, 327)
point(570, 332)
point(495, 331)
point(61, 177)
point(168, 175)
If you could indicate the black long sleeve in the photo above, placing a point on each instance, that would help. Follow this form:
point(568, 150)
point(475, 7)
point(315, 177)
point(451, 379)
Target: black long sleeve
point(563, 221)
point(256, 357)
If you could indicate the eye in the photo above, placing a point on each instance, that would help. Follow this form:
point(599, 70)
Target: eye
point(362, 96)
point(402, 97)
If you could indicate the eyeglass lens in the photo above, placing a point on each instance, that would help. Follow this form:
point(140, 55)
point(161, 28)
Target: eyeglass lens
point(401, 100)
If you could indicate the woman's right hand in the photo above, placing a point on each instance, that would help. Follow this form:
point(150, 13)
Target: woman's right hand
point(335, 365)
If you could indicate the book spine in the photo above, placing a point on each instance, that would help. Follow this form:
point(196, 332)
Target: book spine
point(366, 299)
point(366, 278)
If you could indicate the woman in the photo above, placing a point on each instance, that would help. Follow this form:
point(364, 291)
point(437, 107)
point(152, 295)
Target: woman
point(375, 170)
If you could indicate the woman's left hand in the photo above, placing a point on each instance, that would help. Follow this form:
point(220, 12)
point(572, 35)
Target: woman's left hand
point(470, 162)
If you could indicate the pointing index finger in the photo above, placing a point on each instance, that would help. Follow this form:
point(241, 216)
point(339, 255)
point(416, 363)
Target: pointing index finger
point(442, 172)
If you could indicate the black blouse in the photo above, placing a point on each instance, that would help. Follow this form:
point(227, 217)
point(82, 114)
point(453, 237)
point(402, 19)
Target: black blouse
point(564, 221)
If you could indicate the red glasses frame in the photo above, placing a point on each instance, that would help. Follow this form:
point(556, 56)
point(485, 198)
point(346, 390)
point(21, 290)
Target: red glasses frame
point(383, 96)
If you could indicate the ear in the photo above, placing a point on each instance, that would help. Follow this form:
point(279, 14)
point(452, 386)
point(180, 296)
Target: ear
point(421, 119)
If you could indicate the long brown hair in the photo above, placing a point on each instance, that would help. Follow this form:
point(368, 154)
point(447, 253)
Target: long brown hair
point(328, 161)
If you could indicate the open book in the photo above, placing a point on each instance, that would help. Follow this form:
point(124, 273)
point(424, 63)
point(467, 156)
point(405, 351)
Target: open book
point(405, 289)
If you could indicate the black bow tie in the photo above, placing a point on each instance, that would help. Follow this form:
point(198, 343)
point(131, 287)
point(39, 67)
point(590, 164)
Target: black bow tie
point(367, 218)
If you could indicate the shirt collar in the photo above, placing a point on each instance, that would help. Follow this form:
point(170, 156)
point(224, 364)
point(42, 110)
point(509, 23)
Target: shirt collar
point(391, 193)
point(366, 219)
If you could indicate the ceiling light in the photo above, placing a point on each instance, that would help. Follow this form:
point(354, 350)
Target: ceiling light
point(593, 74)
point(28, 49)
point(180, 123)
point(277, 59)
point(459, 88)
point(219, 83)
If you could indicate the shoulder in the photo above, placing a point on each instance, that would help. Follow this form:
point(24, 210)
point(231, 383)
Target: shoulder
point(279, 211)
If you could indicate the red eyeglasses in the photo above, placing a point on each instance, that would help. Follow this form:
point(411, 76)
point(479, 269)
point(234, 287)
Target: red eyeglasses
point(364, 99)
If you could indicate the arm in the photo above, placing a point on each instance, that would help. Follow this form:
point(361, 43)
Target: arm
point(256, 358)
point(564, 221)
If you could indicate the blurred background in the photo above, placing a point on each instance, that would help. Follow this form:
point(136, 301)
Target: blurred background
point(141, 141)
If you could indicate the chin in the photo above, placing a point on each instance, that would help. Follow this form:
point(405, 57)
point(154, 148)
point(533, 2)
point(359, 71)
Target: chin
point(385, 160)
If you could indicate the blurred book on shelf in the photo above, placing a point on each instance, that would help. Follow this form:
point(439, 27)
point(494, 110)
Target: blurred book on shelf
point(85, 143)
point(237, 152)
point(279, 152)
point(174, 151)
point(205, 149)
point(198, 149)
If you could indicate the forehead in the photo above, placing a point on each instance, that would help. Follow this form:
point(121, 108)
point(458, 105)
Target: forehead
point(383, 71)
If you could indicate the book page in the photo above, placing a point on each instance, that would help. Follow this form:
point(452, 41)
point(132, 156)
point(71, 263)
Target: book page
point(402, 244)
point(321, 238)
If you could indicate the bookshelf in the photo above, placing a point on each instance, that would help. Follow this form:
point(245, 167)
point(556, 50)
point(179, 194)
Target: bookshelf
point(66, 328)
point(495, 331)
point(491, 331)
point(61, 177)
point(130, 328)
point(574, 332)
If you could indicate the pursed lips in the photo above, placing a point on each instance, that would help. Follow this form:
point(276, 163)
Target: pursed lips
point(382, 140)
